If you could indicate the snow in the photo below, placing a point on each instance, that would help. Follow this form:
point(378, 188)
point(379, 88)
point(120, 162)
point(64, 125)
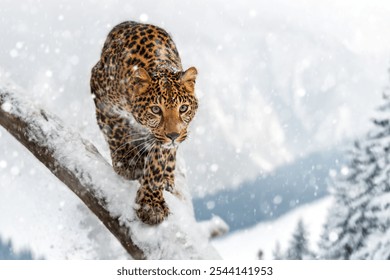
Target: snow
point(175, 238)
point(276, 81)
point(6, 106)
point(215, 226)
point(143, 17)
point(3, 164)
point(359, 219)
point(276, 61)
point(245, 244)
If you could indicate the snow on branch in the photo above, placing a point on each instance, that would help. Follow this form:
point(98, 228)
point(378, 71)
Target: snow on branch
point(78, 164)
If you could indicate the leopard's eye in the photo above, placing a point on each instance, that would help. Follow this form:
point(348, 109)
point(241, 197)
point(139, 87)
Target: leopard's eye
point(183, 108)
point(156, 110)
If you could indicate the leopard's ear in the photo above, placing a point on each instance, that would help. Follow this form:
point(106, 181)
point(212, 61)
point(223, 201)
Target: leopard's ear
point(141, 79)
point(188, 79)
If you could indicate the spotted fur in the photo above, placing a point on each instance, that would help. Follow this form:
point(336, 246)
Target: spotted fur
point(144, 104)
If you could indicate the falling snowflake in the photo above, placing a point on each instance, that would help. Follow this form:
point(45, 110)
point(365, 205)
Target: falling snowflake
point(143, 17)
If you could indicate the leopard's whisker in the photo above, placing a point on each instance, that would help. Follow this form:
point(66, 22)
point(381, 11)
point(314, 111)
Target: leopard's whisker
point(127, 143)
point(144, 137)
point(134, 148)
point(148, 148)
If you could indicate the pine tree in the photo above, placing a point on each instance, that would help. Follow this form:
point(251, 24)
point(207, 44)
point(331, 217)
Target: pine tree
point(277, 252)
point(7, 252)
point(346, 227)
point(377, 241)
point(358, 223)
point(299, 248)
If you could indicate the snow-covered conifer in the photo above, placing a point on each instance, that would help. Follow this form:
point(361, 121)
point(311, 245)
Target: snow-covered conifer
point(299, 247)
point(359, 222)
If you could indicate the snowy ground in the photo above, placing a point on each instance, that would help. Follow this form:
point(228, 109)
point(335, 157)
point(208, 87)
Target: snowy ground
point(245, 244)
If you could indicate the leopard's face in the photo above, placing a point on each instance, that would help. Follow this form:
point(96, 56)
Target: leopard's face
point(165, 103)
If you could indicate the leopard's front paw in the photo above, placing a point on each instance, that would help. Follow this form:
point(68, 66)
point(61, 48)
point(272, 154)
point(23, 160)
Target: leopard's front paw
point(153, 208)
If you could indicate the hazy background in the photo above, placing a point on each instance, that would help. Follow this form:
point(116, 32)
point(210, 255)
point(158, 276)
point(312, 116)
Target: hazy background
point(278, 81)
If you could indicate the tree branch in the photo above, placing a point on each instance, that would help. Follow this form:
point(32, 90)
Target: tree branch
point(78, 164)
point(39, 143)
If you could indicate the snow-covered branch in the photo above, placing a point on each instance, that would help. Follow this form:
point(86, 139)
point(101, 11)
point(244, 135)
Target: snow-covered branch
point(78, 164)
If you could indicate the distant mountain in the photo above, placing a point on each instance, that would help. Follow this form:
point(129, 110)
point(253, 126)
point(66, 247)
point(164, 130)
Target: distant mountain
point(270, 196)
point(7, 252)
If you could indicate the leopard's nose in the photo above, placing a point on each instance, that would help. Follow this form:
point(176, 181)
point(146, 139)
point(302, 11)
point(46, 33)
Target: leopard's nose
point(172, 135)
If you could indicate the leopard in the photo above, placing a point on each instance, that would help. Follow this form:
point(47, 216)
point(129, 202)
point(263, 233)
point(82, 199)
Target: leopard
point(144, 104)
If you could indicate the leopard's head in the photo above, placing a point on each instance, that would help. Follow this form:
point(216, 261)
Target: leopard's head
point(165, 103)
